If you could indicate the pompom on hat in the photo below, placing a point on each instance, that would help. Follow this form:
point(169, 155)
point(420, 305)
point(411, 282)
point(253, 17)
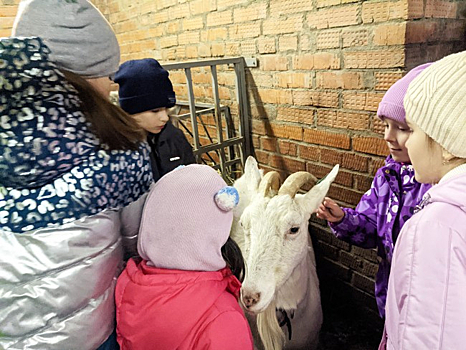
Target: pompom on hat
point(187, 219)
point(391, 106)
point(436, 103)
point(144, 86)
point(79, 37)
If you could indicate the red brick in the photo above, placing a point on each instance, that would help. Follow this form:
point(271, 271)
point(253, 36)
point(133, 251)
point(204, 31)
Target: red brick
point(344, 178)
point(248, 48)
point(268, 144)
point(415, 9)
point(373, 12)
point(309, 152)
point(340, 16)
point(321, 60)
point(255, 141)
point(371, 145)
point(315, 98)
point(275, 96)
point(342, 119)
point(267, 45)
point(214, 34)
point(287, 164)
point(363, 182)
point(218, 49)
point(251, 13)
point(355, 37)
point(378, 126)
point(325, 138)
point(187, 38)
point(374, 59)
point(376, 164)
point(344, 195)
point(244, 30)
point(193, 23)
point(273, 63)
point(366, 101)
point(355, 162)
point(260, 127)
point(441, 9)
point(363, 282)
point(286, 131)
point(296, 115)
point(288, 43)
point(390, 34)
point(421, 32)
point(330, 156)
point(328, 39)
point(294, 80)
point(282, 25)
point(339, 80)
point(201, 6)
point(386, 79)
point(287, 148)
point(262, 157)
point(283, 7)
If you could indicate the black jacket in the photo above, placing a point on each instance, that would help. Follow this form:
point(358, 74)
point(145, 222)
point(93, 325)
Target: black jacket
point(170, 148)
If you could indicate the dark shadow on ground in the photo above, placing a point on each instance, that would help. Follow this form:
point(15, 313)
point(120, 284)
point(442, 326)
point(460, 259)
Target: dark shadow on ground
point(349, 328)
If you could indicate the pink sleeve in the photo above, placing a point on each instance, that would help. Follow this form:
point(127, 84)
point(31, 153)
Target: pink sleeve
point(229, 331)
point(426, 304)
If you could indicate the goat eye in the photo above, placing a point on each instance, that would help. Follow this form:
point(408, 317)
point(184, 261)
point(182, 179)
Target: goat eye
point(294, 230)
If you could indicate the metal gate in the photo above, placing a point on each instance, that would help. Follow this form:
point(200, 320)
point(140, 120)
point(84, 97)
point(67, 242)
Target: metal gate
point(225, 142)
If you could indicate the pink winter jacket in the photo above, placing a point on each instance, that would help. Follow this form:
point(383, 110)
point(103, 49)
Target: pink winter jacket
point(426, 302)
point(173, 309)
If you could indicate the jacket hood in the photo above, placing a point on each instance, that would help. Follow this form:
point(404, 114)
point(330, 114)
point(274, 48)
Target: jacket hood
point(171, 302)
point(43, 133)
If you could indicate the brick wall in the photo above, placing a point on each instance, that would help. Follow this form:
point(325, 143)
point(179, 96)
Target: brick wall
point(323, 68)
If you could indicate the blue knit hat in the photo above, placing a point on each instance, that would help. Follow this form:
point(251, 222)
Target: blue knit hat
point(144, 86)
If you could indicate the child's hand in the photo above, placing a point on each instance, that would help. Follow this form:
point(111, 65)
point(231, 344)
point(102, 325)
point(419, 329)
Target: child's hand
point(330, 211)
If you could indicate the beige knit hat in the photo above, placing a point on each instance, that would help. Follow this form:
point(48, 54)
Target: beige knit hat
point(436, 103)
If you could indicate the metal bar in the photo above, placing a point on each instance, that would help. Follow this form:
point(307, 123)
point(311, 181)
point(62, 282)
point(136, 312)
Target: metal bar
point(218, 117)
point(214, 146)
point(192, 107)
point(204, 63)
point(243, 110)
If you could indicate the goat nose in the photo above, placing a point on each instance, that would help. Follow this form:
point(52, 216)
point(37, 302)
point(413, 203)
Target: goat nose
point(251, 299)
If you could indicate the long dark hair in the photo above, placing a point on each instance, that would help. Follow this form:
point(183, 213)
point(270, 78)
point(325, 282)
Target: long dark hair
point(113, 126)
point(234, 258)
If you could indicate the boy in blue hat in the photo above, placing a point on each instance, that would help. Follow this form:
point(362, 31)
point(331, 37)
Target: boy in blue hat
point(146, 93)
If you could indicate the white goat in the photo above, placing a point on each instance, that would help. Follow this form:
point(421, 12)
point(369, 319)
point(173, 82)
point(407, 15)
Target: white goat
point(271, 228)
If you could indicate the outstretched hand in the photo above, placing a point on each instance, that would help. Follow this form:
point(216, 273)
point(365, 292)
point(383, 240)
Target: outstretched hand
point(330, 211)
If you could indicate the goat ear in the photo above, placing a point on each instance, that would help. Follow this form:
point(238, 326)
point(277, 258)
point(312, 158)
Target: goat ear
point(252, 174)
point(311, 200)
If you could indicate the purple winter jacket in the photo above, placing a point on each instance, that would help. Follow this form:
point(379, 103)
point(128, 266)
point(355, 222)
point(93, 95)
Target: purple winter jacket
point(379, 216)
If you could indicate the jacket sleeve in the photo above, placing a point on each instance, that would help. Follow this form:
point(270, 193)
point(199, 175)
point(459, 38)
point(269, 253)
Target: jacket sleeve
point(130, 217)
point(426, 304)
point(359, 226)
point(228, 331)
point(187, 150)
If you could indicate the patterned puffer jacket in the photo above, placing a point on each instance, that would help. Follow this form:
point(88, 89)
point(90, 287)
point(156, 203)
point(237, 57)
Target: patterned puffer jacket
point(68, 207)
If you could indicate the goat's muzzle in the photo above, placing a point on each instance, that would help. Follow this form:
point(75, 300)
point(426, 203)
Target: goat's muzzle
point(250, 299)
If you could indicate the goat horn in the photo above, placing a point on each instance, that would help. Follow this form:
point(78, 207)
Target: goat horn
point(269, 184)
point(295, 181)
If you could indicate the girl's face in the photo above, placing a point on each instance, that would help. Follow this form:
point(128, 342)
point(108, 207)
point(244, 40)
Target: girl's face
point(426, 157)
point(395, 135)
point(152, 121)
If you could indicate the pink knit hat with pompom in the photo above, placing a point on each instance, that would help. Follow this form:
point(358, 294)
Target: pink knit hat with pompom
point(187, 219)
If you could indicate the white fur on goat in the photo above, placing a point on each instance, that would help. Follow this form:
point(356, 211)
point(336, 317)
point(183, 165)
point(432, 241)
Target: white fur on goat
point(273, 235)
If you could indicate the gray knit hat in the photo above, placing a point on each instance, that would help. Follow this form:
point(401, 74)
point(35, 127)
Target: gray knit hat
point(79, 37)
point(436, 102)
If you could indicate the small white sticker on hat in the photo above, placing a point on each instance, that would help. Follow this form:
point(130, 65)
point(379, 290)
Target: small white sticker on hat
point(174, 158)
